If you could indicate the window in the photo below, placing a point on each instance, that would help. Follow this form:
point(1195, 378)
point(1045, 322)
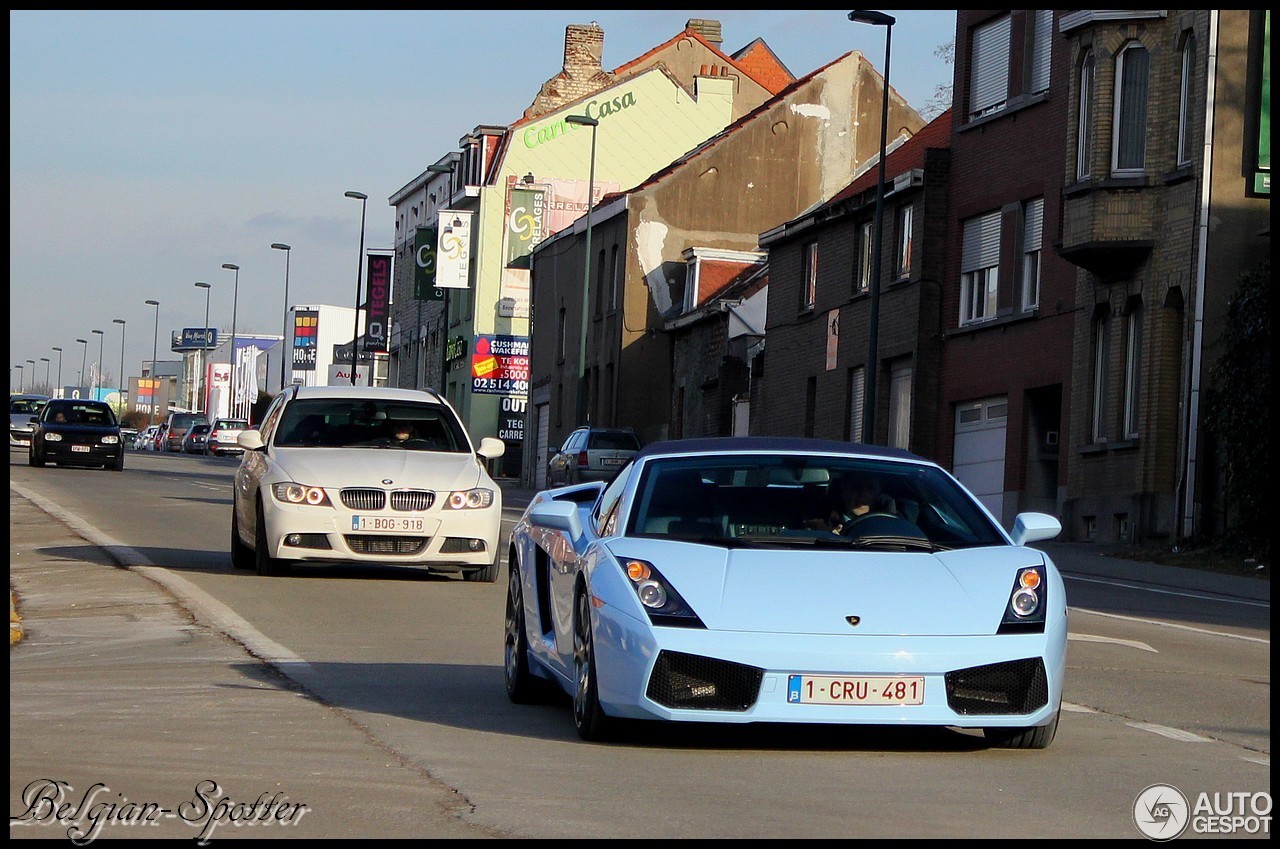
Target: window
point(1129, 138)
point(613, 279)
point(1132, 368)
point(1084, 118)
point(560, 343)
point(857, 402)
point(1184, 100)
point(601, 269)
point(810, 272)
point(979, 266)
point(903, 267)
point(989, 68)
point(900, 381)
point(1041, 46)
point(1032, 237)
point(862, 283)
point(1098, 405)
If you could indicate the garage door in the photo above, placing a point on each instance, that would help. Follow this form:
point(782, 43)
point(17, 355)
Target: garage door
point(979, 452)
point(540, 455)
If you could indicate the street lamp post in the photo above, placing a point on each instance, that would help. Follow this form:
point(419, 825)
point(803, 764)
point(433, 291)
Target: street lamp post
point(200, 403)
point(33, 374)
point(439, 168)
point(21, 385)
point(284, 322)
point(867, 16)
point(123, 384)
point(47, 389)
point(585, 121)
point(355, 335)
point(83, 352)
point(97, 377)
point(59, 350)
point(235, 301)
point(155, 381)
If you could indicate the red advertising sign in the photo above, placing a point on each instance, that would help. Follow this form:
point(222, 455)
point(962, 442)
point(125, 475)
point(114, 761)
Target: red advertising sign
point(378, 303)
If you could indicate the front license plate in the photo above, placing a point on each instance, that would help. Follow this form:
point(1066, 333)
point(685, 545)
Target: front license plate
point(80, 449)
point(387, 524)
point(854, 690)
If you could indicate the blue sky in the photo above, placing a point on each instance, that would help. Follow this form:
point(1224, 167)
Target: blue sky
point(146, 149)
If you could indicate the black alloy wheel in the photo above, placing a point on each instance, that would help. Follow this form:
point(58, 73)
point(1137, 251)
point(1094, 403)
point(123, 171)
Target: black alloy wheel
point(266, 564)
point(588, 717)
point(522, 687)
point(242, 556)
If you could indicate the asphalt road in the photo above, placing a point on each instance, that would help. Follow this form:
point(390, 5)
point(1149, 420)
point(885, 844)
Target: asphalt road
point(375, 698)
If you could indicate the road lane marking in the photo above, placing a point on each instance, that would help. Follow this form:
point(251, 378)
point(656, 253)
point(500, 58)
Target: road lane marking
point(1171, 733)
point(1184, 593)
point(1093, 638)
point(1174, 625)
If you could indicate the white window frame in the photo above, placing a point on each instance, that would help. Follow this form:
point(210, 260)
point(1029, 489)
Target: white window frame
point(1184, 100)
point(905, 218)
point(1129, 121)
point(989, 67)
point(866, 233)
point(809, 270)
point(980, 268)
point(1032, 244)
point(1084, 117)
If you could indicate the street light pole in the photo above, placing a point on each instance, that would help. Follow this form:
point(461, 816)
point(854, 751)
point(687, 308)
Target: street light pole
point(355, 334)
point(235, 302)
point(155, 381)
point(21, 384)
point(200, 404)
point(33, 374)
point(284, 322)
point(585, 121)
point(97, 377)
point(47, 388)
point(867, 16)
point(59, 350)
point(83, 353)
point(123, 384)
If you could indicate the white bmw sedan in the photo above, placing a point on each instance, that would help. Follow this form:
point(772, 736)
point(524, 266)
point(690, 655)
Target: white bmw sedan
point(362, 475)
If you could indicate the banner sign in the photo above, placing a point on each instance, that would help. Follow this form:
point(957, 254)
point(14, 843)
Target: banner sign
point(306, 324)
point(424, 262)
point(378, 312)
point(453, 254)
point(526, 224)
point(194, 339)
point(500, 365)
point(342, 353)
point(149, 396)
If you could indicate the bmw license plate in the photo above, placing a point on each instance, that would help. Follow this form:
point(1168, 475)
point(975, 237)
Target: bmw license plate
point(855, 690)
point(387, 524)
point(80, 449)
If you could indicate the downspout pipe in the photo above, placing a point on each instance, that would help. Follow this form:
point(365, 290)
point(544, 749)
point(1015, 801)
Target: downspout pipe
point(1190, 514)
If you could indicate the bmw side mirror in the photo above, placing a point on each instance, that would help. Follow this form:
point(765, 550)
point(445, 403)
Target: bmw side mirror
point(491, 448)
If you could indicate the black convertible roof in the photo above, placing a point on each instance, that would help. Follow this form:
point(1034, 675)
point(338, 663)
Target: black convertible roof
point(772, 445)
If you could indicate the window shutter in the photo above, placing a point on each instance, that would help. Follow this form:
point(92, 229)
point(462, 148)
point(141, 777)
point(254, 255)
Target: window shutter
point(989, 67)
point(981, 247)
point(1041, 44)
point(1033, 226)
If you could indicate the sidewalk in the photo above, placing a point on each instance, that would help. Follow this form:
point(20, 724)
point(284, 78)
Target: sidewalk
point(114, 684)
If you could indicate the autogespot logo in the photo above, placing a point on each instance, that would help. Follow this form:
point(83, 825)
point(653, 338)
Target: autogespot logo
point(1161, 812)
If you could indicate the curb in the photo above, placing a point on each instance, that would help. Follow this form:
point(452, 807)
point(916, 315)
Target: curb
point(16, 632)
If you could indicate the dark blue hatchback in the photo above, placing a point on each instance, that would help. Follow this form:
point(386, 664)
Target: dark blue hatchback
point(77, 433)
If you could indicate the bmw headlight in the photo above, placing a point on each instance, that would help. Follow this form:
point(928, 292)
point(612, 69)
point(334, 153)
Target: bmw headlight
point(1025, 611)
point(660, 600)
point(296, 493)
point(469, 499)
point(53, 437)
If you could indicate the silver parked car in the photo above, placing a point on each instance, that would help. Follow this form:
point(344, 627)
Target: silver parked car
point(592, 454)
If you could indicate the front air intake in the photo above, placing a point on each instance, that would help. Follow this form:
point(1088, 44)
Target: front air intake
point(691, 682)
point(1015, 686)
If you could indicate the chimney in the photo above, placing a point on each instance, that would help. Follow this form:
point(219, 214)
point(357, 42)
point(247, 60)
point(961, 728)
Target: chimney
point(708, 29)
point(583, 48)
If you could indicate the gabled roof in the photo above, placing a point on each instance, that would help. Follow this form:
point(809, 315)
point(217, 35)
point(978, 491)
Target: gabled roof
point(760, 65)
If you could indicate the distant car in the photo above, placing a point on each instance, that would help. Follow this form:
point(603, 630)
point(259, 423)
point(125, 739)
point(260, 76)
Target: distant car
point(223, 435)
point(146, 438)
point(591, 454)
point(706, 583)
point(77, 433)
point(195, 440)
point(158, 440)
point(128, 435)
point(178, 425)
point(22, 409)
point(353, 474)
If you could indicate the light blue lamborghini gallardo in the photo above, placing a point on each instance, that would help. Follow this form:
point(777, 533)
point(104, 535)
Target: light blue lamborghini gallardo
point(730, 580)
